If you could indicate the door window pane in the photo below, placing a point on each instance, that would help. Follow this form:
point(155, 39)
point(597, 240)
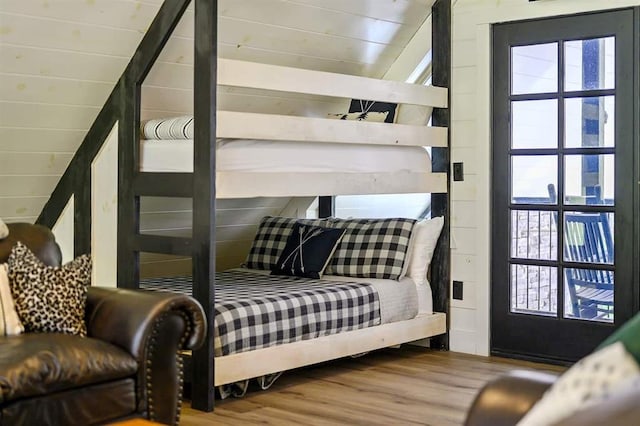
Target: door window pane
point(531, 176)
point(534, 289)
point(589, 179)
point(589, 294)
point(534, 68)
point(589, 237)
point(589, 64)
point(589, 122)
point(534, 124)
point(534, 235)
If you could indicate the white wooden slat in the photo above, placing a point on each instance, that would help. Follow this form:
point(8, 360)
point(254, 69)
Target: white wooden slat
point(244, 365)
point(318, 20)
point(21, 206)
point(246, 185)
point(464, 214)
point(464, 240)
point(107, 13)
point(402, 11)
point(39, 116)
point(303, 129)
point(233, 100)
point(32, 163)
point(40, 140)
point(271, 77)
point(26, 186)
point(58, 63)
point(246, 53)
point(277, 41)
point(50, 90)
point(42, 32)
point(463, 319)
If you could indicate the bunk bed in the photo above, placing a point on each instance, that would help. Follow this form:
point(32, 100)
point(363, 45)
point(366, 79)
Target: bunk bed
point(299, 156)
point(209, 172)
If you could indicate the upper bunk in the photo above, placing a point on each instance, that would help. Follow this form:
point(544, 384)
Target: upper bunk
point(267, 154)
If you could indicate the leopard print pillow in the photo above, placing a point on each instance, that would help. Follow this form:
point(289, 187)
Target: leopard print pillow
point(49, 299)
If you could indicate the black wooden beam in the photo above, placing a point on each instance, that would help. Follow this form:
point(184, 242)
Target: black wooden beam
point(440, 203)
point(178, 246)
point(155, 39)
point(128, 274)
point(204, 193)
point(140, 64)
point(326, 207)
point(82, 214)
point(163, 184)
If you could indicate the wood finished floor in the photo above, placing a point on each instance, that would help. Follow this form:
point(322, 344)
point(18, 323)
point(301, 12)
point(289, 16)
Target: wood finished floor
point(407, 386)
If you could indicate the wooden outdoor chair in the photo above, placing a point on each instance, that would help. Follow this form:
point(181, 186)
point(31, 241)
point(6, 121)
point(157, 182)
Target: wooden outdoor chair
point(588, 240)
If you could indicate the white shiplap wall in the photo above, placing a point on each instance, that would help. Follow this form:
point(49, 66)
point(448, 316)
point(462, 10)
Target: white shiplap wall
point(59, 59)
point(471, 143)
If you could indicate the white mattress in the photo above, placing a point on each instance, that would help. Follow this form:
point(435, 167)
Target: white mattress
point(399, 300)
point(282, 156)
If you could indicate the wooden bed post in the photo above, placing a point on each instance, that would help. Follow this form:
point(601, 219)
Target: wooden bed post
point(440, 203)
point(204, 193)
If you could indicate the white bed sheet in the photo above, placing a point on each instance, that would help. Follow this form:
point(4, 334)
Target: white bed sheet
point(283, 156)
point(399, 300)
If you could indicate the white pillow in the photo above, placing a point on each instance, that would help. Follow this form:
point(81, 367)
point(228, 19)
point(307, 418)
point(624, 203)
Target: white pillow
point(426, 233)
point(416, 115)
point(10, 324)
point(375, 117)
point(592, 380)
point(4, 231)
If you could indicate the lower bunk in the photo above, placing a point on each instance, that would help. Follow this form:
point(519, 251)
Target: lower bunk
point(265, 324)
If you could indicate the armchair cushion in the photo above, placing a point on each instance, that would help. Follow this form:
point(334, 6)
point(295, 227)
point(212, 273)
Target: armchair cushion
point(590, 381)
point(47, 298)
point(36, 364)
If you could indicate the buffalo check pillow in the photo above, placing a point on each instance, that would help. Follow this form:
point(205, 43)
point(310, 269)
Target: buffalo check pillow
point(371, 248)
point(271, 239)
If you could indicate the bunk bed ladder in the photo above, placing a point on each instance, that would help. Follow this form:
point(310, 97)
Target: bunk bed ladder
point(123, 108)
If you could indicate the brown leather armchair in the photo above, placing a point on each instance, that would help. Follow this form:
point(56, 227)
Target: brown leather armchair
point(504, 401)
point(128, 366)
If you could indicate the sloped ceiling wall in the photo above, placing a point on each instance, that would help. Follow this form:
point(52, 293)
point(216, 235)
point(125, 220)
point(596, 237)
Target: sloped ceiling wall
point(59, 60)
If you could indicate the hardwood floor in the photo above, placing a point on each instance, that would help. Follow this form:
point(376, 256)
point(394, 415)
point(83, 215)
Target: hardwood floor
point(391, 387)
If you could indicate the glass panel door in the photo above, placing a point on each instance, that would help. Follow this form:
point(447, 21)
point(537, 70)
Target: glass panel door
point(559, 150)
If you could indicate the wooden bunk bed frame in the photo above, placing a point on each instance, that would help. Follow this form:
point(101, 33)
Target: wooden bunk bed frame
point(123, 108)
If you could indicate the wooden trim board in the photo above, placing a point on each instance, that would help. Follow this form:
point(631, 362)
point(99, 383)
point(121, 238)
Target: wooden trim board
point(297, 80)
point(245, 125)
point(244, 365)
point(287, 184)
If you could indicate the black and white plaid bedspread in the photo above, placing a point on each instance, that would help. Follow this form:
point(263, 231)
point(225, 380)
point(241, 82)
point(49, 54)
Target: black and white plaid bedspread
point(256, 311)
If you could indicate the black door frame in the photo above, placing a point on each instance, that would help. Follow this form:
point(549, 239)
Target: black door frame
point(519, 335)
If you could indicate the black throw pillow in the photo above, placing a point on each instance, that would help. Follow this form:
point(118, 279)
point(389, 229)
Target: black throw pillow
point(307, 251)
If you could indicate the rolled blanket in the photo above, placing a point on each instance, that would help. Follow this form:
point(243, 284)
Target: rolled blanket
point(171, 128)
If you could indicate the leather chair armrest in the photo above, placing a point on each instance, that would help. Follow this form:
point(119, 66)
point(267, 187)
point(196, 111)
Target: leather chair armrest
point(153, 327)
point(126, 317)
point(505, 400)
